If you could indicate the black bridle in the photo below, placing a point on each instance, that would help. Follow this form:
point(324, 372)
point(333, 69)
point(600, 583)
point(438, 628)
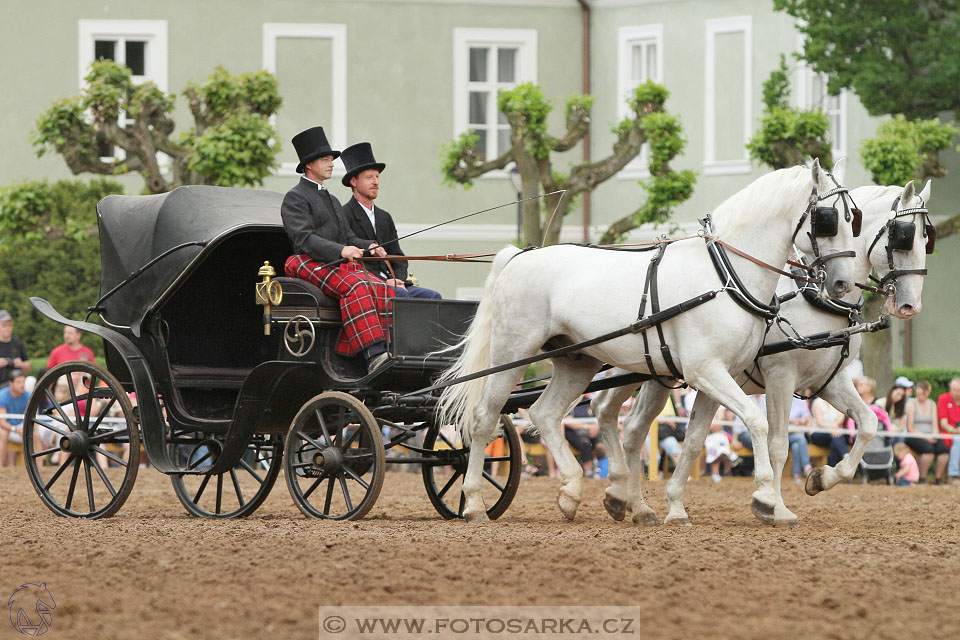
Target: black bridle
point(900, 237)
point(825, 223)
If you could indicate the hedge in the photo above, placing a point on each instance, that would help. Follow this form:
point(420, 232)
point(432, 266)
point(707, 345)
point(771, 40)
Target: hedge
point(939, 379)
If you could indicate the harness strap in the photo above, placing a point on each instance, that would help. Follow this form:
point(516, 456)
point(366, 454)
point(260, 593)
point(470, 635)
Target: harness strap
point(650, 288)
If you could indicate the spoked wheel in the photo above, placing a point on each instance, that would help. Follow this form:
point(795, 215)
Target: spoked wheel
point(501, 471)
point(81, 441)
point(334, 458)
point(234, 494)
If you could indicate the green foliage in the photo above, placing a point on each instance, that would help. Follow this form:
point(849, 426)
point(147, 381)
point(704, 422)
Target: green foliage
point(457, 157)
point(899, 57)
point(231, 143)
point(581, 102)
point(235, 151)
point(788, 136)
point(50, 249)
point(649, 96)
point(939, 379)
point(526, 108)
point(665, 135)
point(902, 148)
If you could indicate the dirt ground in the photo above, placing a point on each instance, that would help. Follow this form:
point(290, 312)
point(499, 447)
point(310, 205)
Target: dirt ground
point(865, 562)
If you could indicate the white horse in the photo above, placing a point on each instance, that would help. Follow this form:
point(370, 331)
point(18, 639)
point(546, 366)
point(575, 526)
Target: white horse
point(567, 294)
point(779, 375)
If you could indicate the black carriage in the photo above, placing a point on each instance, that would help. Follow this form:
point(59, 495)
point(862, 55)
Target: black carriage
point(225, 374)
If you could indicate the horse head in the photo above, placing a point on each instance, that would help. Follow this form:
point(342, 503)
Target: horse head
point(898, 238)
point(827, 229)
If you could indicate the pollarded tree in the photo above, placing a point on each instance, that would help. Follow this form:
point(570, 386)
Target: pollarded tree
point(532, 149)
point(788, 136)
point(231, 142)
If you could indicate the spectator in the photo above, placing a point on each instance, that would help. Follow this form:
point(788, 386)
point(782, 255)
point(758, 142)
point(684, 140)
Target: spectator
point(582, 437)
point(828, 420)
point(866, 387)
point(12, 353)
point(13, 400)
point(602, 469)
point(948, 410)
point(71, 349)
point(907, 384)
point(717, 446)
point(908, 474)
point(922, 424)
point(895, 405)
point(800, 417)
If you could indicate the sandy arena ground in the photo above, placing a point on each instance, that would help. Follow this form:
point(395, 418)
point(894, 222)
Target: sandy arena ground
point(865, 562)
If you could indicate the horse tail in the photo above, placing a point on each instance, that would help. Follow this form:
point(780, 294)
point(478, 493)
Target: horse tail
point(457, 399)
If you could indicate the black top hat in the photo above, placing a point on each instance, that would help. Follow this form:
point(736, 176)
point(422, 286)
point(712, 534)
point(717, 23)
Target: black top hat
point(359, 157)
point(310, 145)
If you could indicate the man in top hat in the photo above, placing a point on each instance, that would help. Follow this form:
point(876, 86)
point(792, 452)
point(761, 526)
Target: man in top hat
point(313, 220)
point(369, 221)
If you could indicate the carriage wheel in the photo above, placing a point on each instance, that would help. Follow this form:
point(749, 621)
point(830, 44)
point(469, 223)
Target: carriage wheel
point(81, 442)
point(234, 494)
point(334, 460)
point(501, 471)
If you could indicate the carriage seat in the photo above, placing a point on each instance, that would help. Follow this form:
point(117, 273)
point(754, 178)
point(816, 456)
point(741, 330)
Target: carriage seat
point(301, 298)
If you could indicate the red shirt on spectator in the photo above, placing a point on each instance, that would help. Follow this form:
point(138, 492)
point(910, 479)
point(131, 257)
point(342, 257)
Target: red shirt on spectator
point(63, 353)
point(947, 408)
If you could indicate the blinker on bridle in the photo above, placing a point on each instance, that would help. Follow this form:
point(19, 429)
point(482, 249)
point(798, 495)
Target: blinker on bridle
point(825, 223)
point(900, 237)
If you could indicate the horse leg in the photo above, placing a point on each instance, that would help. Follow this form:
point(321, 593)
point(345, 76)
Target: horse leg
point(606, 407)
point(570, 378)
point(779, 399)
point(704, 408)
point(486, 419)
point(843, 396)
point(715, 381)
point(648, 405)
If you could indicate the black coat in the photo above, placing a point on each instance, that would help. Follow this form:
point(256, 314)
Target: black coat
point(315, 224)
point(385, 234)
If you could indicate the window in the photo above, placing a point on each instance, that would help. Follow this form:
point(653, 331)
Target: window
point(728, 95)
point(813, 94)
point(321, 101)
point(139, 44)
point(638, 59)
point(486, 61)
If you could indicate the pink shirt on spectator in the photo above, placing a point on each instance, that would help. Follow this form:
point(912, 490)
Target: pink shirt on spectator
point(63, 353)
point(909, 464)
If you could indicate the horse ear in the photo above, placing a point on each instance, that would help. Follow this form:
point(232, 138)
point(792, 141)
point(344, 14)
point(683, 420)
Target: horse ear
point(907, 196)
point(840, 170)
point(925, 193)
point(815, 171)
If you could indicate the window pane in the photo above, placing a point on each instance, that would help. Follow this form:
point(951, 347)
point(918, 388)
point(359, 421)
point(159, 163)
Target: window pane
point(104, 148)
point(478, 107)
point(651, 61)
point(481, 146)
point(506, 65)
point(105, 49)
point(637, 67)
point(502, 119)
point(503, 139)
point(478, 64)
point(135, 56)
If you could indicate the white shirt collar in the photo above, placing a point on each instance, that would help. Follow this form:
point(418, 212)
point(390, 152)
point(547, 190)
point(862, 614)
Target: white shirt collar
point(369, 211)
point(320, 187)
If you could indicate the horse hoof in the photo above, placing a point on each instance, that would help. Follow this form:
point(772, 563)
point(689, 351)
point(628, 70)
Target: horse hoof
point(786, 522)
point(763, 512)
point(646, 519)
point(680, 522)
point(814, 483)
point(568, 506)
point(616, 508)
point(476, 517)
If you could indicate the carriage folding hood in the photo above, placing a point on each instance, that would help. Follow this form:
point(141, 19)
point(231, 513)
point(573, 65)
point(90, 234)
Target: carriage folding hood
point(134, 230)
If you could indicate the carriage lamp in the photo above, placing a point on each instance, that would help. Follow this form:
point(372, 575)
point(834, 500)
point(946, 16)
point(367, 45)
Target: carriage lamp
point(269, 292)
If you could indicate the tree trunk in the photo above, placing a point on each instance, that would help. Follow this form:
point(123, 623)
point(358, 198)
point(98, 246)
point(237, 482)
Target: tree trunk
point(555, 213)
point(877, 350)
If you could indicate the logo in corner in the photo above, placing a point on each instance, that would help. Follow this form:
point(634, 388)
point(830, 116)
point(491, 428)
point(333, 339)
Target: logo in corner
point(31, 608)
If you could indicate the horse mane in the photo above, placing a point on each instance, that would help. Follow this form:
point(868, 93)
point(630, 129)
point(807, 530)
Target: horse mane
point(767, 194)
point(873, 192)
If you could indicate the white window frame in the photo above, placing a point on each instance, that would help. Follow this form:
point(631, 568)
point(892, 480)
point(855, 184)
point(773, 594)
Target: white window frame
point(336, 130)
point(717, 27)
point(155, 61)
point(806, 100)
point(627, 39)
point(463, 38)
